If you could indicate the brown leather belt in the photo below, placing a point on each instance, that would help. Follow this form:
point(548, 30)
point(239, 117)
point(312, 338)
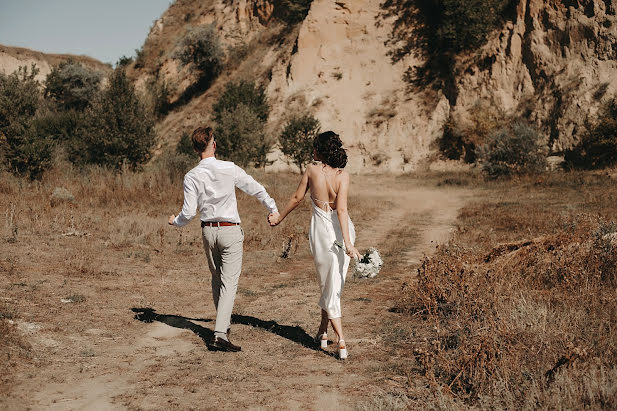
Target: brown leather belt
point(217, 224)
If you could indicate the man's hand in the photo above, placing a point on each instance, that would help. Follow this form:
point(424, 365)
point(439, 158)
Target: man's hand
point(274, 219)
point(171, 219)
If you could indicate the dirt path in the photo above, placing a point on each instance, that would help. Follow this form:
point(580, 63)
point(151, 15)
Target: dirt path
point(155, 358)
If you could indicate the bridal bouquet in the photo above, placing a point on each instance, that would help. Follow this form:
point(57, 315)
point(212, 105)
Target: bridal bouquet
point(369, 265)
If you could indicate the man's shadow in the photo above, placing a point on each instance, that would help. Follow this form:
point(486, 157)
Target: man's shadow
point(148, 315)
point(293, 333)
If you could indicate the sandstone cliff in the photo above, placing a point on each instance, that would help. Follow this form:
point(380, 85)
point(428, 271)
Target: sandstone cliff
point(555, 61)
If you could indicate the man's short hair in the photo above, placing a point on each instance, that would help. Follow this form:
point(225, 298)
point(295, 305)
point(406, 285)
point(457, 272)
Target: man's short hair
point(201, 137)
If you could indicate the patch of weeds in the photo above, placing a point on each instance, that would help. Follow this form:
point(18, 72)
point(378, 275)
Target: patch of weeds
point(246, 292)
point(76, 298)
point(141, 255)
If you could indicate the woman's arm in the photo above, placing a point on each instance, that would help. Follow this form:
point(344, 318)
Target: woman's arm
point(343, 215)
point(295, 199)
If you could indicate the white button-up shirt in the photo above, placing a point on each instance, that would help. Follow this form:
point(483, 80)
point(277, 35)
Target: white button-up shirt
point(211, 188)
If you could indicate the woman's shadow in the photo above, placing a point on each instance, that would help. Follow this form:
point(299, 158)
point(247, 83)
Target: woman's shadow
point(293, 333)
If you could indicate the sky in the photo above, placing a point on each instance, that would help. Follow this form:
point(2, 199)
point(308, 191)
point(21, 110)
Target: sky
point(103, 29)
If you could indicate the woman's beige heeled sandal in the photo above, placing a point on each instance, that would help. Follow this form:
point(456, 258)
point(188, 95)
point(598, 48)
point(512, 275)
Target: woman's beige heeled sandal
point(342, 350)
point(323, 341)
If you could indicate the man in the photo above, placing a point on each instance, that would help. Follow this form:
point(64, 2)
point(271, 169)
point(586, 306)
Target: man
point(210, 187)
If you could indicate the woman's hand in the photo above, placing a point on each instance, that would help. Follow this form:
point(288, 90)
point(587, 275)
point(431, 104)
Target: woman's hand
point(352, 251)
point(274, 219)
point(171, 219)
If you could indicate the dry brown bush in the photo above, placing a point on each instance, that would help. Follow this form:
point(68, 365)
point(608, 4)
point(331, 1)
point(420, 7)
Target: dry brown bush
point(520, 310)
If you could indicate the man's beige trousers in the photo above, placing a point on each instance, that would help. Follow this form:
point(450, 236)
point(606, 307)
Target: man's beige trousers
point(223, 247)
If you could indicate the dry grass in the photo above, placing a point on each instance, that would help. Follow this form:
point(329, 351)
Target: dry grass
point(520, 309)
point(73, 271)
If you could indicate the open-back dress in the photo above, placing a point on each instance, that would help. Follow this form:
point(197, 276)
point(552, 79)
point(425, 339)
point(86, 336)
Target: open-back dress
point(326, 243)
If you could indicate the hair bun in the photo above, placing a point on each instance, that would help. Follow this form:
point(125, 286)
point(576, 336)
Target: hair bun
point(330, 151)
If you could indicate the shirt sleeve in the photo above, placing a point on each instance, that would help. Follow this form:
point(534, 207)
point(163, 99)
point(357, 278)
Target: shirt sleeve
point(189, 208)
point(248, 184)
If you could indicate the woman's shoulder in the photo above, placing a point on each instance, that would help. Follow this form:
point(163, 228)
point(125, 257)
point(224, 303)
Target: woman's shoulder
point(343, 174)
point(311, 168)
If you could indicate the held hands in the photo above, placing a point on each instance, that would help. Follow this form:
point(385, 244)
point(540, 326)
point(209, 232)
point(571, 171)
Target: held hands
point(274, 219)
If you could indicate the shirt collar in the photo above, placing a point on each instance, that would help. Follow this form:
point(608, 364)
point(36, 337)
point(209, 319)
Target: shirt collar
point(207, 160)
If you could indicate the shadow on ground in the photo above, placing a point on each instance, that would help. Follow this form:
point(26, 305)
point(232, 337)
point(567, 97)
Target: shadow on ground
point(148, 315)
point(292, 333)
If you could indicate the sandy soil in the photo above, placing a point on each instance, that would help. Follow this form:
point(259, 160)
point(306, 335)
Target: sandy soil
point(136, 341)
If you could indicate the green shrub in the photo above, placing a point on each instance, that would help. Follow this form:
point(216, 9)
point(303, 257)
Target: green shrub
point(241, 114)
point(185, 145)
point(118, 129)
point(201, 48)
point(514, 150)
point(240, 137)
point(157, 93)
point(72, 86)
point(598, 146)
point(23, 150)
point(460, 138)
point(243, 92)
point(297, 137)
point(291, 11)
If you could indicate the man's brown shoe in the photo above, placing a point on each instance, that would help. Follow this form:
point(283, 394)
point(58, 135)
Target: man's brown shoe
point(224, 345)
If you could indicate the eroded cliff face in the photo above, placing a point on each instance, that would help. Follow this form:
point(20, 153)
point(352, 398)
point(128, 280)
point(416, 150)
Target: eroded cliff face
point(342, 74)
point(555, 61)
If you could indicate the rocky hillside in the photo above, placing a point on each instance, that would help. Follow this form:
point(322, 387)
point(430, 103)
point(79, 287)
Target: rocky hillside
point(11, 58)
point(554, 61)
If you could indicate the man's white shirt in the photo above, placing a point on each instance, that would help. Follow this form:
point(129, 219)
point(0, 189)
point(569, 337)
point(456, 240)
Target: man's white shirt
point(210, 187)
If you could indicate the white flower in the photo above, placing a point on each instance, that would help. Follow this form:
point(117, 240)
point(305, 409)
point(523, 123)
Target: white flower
point(369, 265)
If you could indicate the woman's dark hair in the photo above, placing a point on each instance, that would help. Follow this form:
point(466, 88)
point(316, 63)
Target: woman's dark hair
point(330, 151)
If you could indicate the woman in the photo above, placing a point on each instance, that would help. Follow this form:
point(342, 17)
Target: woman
point(332, 234)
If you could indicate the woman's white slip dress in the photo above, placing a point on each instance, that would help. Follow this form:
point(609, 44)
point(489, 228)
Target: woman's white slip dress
point(331, 261)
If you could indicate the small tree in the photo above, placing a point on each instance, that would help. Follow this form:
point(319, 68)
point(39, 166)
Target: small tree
point(72, 85)
point(118, 128)
point(241, 114)
point(598, 146)
point(201, 48)
point(297, 137)
point(241, 138)
point(23, 149)
point(243, 92)
point(514, 150)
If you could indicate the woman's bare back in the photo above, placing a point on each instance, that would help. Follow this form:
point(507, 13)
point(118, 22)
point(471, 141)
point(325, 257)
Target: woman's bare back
point(324, 182)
